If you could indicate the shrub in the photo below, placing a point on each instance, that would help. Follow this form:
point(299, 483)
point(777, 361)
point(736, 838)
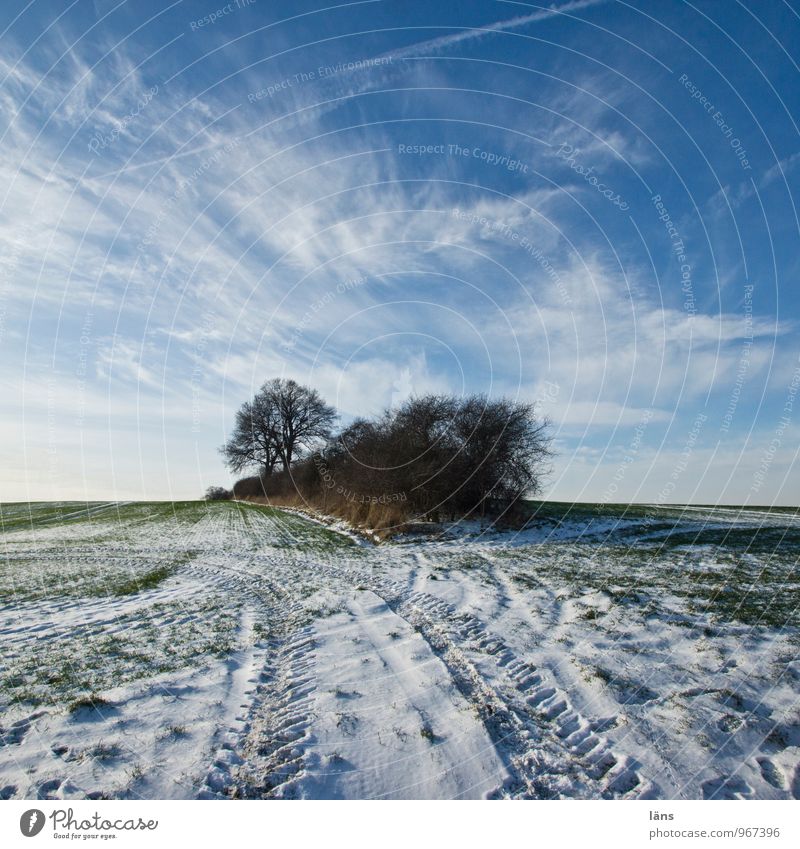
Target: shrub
point(433, 458)
point(217, 493)
point(252, 487)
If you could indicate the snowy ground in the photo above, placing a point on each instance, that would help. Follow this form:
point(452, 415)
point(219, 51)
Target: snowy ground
point(227, 650)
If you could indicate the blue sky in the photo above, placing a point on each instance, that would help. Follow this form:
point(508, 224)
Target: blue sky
point(592, 206)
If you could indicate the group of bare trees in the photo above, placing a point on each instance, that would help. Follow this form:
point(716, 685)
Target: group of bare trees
point(444, 456)
point(433, 457)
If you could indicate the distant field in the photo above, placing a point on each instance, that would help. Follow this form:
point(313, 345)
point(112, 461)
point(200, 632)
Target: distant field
point(223, 649)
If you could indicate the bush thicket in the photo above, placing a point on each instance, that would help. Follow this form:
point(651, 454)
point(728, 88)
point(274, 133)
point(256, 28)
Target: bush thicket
point(434, 458)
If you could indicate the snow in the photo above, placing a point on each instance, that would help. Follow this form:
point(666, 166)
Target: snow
point(268, 655)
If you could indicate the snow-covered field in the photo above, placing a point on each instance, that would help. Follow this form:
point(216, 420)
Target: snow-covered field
point(228, 650)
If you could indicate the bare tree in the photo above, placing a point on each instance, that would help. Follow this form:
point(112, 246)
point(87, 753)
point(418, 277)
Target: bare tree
point(282, 419)
point(254, 441)
point(303, 417)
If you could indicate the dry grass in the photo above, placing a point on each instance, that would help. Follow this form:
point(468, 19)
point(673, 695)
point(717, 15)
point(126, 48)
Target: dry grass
point(382, 520)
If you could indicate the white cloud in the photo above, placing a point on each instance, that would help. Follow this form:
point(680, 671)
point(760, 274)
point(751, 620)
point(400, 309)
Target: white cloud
point(252, 228)
point(437, 45)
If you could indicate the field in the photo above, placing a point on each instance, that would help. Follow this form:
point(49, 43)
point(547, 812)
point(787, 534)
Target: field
point(227, 650)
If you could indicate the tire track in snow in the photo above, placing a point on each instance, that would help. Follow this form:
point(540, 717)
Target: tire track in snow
point(259, 754)
point(267, 704)
point(553, 748)
point(549, 748)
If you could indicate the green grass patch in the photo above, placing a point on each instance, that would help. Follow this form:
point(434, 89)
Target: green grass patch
point(148, 581)
point(139, 644)
point(720, 584)
point(77, 573)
